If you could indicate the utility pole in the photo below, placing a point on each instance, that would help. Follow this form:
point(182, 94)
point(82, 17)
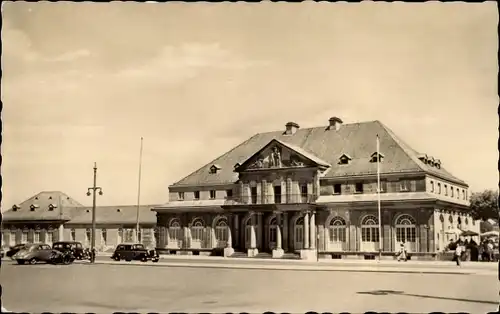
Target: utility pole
point(137, 230)
point(94, 189)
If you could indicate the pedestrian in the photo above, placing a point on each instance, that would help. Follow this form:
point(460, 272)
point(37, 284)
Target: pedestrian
point(458, 255)
point(402, 252)
point(490, 251)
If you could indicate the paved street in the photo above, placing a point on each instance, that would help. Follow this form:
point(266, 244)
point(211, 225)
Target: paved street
point(105, 288)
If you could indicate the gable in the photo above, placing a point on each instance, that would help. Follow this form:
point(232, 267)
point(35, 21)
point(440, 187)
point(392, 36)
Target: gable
point(277, 154)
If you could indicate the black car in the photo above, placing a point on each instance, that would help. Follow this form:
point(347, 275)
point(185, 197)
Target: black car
point(75, 247)
point(134, 251)
point(14, 249)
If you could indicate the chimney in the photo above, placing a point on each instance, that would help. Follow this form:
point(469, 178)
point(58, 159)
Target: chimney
point(291, 128)
point(335, 123)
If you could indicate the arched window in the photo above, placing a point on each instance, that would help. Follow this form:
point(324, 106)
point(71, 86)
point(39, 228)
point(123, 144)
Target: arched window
point(432, 186)
point(441, 218)
point(337, 230)
point(369, 229)
point(88, 235)
point(174, 230)
point(272, 230)
point(221, 230)
point(120, 235)
point(466, 221)
point(197, 229)
point(299, 231)
point(104, 236)
point(406, 229)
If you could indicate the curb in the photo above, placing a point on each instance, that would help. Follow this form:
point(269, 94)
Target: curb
point(295, 268)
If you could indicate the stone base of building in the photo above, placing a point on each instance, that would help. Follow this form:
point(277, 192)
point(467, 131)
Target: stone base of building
point(252, 252)
point(278, 253)
point(310, 254)
point(228, 251)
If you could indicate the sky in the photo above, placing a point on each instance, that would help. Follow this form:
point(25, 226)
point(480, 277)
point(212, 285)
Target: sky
point(83, 82)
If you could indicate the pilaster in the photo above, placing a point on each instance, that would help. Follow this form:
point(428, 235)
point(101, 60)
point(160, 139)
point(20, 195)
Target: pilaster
point(312, 230)
point(306, 231)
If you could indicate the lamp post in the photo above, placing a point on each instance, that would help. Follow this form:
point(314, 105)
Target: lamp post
point(94, 189)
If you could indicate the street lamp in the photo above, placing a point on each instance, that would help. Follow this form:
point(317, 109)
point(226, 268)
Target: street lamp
point(94, 189)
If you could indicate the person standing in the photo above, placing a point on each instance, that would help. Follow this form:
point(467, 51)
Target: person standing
point(458, 254)
point(402, 252)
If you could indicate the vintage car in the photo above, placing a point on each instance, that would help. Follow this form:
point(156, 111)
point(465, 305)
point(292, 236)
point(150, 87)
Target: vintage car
point(34, 253)
point(75, 247)
point(134, 251)
point(14, 249)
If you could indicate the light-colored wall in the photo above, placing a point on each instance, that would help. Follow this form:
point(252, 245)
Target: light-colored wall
point(457, 199)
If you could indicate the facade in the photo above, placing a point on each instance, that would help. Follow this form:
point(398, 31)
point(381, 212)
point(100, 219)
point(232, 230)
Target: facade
point(313, 191)
point(54, 216)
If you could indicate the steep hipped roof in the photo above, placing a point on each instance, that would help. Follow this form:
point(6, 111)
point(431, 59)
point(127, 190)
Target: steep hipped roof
point(115, 214)
point(47, 205)
point(358, 140)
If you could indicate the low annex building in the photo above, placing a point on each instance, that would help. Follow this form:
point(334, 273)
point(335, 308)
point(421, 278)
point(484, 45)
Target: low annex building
point(52, 216)
point(314, 191)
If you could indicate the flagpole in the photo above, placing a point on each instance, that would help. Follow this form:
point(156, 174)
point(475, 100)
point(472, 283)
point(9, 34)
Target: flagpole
point(378, 201)
point(138, 196)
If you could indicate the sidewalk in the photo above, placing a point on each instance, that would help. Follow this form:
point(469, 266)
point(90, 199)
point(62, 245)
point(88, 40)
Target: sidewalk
point(327, 265)
point(323, 262)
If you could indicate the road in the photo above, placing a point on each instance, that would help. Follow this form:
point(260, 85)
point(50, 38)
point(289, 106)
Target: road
point(105, 288)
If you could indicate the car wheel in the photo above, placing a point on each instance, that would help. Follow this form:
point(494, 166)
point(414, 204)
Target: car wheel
point(156, 260)
point(117, 258)
point(20, 262)
point(33, 261)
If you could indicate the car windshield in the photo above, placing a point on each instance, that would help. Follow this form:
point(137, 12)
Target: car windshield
point(32, 248)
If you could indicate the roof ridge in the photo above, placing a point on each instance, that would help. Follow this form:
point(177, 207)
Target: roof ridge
point(219, 157)
point(402, 144)
point(319, 126)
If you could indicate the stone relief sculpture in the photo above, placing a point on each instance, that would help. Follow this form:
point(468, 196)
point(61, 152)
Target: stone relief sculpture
point(275, 158)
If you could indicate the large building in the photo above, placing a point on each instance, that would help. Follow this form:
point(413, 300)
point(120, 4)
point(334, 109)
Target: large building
point(53, 216)
point(313, 191)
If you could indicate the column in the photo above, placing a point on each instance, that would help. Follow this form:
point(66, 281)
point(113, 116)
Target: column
point(236, 228)
point(263, 191)
point(285, 231)
point(278, 231)
point(259, 230)
point(312, 231)
point(306, 231)
point(229, 243)
point(253, 236)
point(186, 238)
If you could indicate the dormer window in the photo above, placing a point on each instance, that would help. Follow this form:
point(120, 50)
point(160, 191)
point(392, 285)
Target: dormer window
point(344, 159)
point(236, 165)
point(180, 196)
point(118, 210)
point(437, 163)
point(423, 158)
point(33, 207)
point(51, 207)
point(214, 169)
point(15, 208)
point(374, 157)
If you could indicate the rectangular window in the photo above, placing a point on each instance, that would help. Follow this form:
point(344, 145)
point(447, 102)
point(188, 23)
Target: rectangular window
point(24, 237)
point(452, 191)
point(229, 193)
point(253, 192)
point(359, 187)
point(36, 238)
point(337, 189)
point(196, 195)
point(404, 186)
point(383, 186)
point(180, 196)
point(73, 235)
point(213, 194)
point(12, 240)
point(303, 189)
point(277, 194)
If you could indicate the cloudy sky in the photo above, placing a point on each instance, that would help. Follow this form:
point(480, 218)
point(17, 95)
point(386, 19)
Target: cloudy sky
point(82, 82)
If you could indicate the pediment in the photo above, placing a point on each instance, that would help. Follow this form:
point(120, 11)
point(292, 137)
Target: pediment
point(277, 154)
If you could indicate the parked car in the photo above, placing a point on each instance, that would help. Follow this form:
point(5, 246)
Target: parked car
point(3, 252)
point(14, 249)
point(34, 253)
point(75, 247)
point(134, 251)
